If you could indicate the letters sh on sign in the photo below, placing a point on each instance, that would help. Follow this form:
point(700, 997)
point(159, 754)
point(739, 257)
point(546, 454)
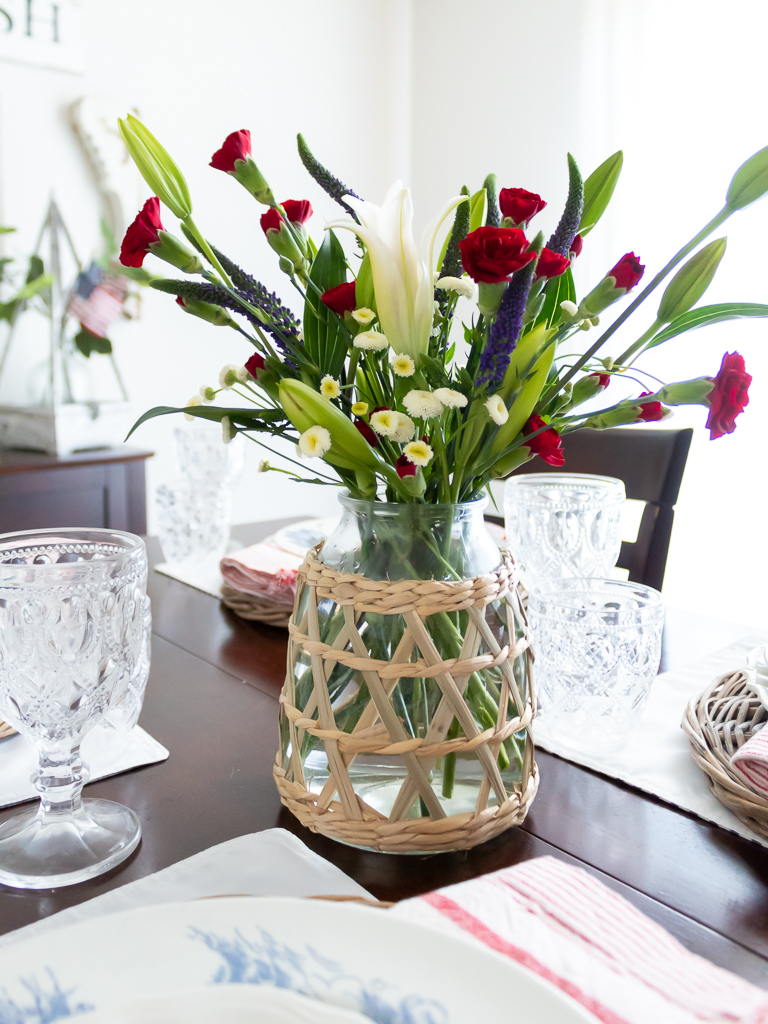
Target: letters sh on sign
point(46, 33)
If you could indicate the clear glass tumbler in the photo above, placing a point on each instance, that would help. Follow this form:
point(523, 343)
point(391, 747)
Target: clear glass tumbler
point(72, 615)
point(563, 524)
point(193, 520)
point(597, 646)
point(202, 455)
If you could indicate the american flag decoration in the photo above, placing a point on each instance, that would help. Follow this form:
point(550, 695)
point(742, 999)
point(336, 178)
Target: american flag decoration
point(97, 299)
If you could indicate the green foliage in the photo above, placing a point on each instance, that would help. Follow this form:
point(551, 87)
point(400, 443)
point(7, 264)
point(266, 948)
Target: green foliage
point(557, 290)
point(691, 281)
point(477, 208)
point(36, 269)
point(263, 420)
point(87, 342)
point(709, 315)
point(598, 190)
point(325, 338)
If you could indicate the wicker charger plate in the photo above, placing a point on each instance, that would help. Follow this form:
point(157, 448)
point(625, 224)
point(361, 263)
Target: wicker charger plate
point(6, 730)
point(717, 722)
point(256, 609)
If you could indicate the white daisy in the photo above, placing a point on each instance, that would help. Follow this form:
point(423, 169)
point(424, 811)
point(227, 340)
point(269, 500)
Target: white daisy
point(329, 388)
point(228, 376)
point(228, 432)
point(315, 442)
point(460, 285)
point(418, 452)
point(374, 341)
point(422, 404)
point(497, 410)
point(363, 316)
point(404, 429)
point(194, 400)
point(403, 366)
point(451, 399)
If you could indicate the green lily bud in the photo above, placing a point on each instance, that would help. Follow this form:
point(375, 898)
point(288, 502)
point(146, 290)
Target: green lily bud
point(526, 399)
point(489, 297)
point(170, 249)
point(522, 359)
point(750, 182)
point(688, 392)
point(366, 483)
point(509, 463)
point(156, 166)
point(691, 281)
point(206, 311)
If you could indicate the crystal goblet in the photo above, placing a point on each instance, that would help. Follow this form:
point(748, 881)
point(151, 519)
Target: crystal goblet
point(72, 617)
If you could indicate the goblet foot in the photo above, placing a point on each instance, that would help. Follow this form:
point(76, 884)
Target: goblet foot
point(41, 853)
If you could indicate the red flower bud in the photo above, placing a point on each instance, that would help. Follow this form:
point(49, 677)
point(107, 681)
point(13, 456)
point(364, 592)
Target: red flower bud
point(551, 264)
point(340, 299)
point(627, 271)
point(180, 302)
point(141, 234)
point(576, 246)
point(405, 467)
point(489, 255)
point(237, 146)
point(367, 432)
point(547, 445)
point(603, 379)
point(650, 411)
point(729, 396)
point(271, 219)
point(298, 211)
point(520, 205)
point(254, 364)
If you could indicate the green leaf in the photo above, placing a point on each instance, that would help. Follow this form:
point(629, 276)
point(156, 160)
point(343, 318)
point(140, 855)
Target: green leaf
point(87, 343)
point(709, 315)
point(248, 419)
point(477, 208)
point(364, 294)
point(7, 231)
point(324, 338)
point(35, 286)
point(8, 310)
point(36, 269)
point(137, 274)
point(556, 290)
point(598, 189)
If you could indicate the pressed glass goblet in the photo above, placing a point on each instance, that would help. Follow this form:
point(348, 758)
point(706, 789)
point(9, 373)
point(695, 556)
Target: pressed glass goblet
point(72, 617)
point(193, 520)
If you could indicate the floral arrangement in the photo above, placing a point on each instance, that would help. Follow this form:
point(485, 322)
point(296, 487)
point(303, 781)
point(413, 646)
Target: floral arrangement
point(373, 381)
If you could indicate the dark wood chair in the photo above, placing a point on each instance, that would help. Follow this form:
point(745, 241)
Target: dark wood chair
point(651, 464)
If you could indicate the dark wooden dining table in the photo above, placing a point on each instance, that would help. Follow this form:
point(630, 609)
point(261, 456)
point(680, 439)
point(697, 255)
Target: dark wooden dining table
point(212, 701)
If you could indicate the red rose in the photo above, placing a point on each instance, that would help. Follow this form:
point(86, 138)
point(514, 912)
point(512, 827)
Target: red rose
point(367, 432)
point(520, 205)
point(270, 219)
point(551, 264)
point(650, 411)
point(729, 396)
point(405, 467)
point(298, 211)
point(340, 299)
point(627, 271)
point(237, 146)
point(254, 364)
point(141, 234)
point(576, 246)
point(547, 445)
point(603, 379)
point(490, 255)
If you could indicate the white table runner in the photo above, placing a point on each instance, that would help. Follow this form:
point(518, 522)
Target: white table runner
point(657, 756)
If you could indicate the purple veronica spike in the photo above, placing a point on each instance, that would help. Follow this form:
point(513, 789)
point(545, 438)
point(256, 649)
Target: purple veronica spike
point(506, 329)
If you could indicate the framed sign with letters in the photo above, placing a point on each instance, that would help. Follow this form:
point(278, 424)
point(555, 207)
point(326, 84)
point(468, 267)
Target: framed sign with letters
point(45, 33)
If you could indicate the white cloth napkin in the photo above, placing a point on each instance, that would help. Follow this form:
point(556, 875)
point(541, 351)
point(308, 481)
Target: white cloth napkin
point(657, 757)
point(270, 863)
point(18, 760)
point(564, 925)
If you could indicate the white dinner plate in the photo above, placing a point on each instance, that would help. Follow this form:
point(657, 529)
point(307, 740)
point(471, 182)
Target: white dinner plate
point(357, 958)
point(298, 538)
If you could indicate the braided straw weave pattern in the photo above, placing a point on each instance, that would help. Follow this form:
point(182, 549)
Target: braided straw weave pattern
point(338, 811)
point(6, 730)
point(717, 722)
point(253, 608)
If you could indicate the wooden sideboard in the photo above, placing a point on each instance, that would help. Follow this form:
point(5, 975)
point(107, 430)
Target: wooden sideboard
point(102, 488)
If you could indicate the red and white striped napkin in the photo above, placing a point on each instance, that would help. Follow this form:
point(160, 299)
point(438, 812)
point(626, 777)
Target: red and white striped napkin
point(264, 570)
point(751, 761)
point(564, 925)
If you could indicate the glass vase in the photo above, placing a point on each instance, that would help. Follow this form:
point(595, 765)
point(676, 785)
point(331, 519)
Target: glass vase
point(462, 674)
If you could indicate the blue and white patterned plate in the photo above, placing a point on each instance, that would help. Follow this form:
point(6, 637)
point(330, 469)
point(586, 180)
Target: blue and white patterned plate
point(360, 958)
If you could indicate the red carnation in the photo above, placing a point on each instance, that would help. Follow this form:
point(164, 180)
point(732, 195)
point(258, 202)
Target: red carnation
point(180, 302)
point(603, 379)
point(367, 432)
point(576, 246)
point(650, 411)
point(405, 467)
point(490, 255)
point(551, 264)
point(270, 219)
point(340, 299)
point(237, 146)
point(627, 271)
point(254, 364)
point(547, 445)
point(141, 234)
point(298, 211)
point(729, 396)
point(520, 205)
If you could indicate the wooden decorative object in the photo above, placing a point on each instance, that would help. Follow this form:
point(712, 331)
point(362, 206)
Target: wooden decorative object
point(253, 608)
point(338, 811)
point(717, 722)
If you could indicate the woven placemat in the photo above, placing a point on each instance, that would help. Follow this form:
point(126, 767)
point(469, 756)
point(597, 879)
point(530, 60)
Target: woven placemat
point(255, 609)
point(717, 722)
point(5, 729)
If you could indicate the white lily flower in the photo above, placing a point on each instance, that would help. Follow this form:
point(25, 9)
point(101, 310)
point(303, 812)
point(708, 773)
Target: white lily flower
point(402, 273)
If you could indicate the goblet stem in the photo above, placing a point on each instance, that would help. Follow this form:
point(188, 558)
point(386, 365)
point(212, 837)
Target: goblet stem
point(59, 779)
